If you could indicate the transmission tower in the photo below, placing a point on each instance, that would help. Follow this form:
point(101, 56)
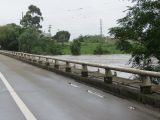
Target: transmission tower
point(101, 28)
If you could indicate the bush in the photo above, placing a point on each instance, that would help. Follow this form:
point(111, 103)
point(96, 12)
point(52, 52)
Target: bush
point(99, 50)
point(49, 46)
point(37, 50)
point(91, 38)
point(75, 47)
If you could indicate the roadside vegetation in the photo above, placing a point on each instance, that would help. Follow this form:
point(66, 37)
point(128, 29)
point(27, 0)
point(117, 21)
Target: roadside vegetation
point(138, 33)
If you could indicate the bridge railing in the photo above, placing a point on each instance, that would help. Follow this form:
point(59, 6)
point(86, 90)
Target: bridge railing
point(145, 86)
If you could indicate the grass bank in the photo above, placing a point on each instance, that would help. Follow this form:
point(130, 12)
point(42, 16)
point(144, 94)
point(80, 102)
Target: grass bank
point(88, 48)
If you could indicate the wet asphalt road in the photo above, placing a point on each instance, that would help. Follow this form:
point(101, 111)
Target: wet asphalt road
point(53, 97)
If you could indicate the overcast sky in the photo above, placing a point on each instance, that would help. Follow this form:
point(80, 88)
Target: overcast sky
point(76, 16)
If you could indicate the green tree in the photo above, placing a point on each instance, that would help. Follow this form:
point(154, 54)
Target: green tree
point(80, 38)
point(139, 32)
point(75, 47)
point(30, 37)
point(32, 18)
point(9, 37)
point(62, 36)
point(28, 40)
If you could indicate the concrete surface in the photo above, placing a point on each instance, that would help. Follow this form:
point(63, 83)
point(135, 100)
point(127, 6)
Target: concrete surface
point(53, 97)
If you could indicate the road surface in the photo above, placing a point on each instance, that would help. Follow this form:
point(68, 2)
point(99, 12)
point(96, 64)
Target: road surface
point(29, 92)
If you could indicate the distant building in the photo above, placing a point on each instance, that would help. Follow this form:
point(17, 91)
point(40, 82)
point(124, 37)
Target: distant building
point(48, 35)
point(110, 39)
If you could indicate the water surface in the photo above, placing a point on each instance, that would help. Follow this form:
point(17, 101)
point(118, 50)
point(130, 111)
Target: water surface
point(121, 60)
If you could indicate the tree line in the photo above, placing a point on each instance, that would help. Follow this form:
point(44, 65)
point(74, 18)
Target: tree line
point(28, 36)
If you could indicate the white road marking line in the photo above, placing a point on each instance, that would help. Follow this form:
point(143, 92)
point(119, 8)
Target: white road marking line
point(94, 93)
point(26, 112)
point(73, 85)
point(131, 108)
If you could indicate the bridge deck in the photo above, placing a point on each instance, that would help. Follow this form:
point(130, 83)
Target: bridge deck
point(53, 97)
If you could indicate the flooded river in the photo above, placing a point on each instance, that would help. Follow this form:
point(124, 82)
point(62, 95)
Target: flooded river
point(121, 60)
point(115, 59)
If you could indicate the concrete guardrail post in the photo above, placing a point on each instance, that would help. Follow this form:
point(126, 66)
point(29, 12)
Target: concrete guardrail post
point(9, 54)
point(29, 57)
point(25, 56)
point(34, 59)
point(47, 62)
point(108, 76)
point(39, 60)
point(14, 54)
point(146, 86)
point(21, 55)
point(84, 72)
point(56, 65)
point(68, 67)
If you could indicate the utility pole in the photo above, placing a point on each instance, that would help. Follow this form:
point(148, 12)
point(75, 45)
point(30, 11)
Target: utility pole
point(22, 15)
point(101, 28)
point(49, 28)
